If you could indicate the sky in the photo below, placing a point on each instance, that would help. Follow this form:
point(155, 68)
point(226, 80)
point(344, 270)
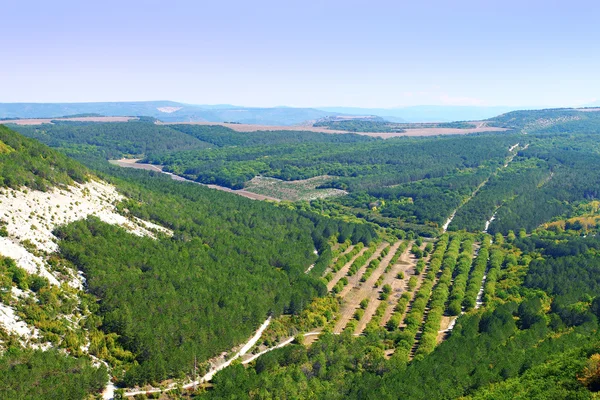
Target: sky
point(302, 53)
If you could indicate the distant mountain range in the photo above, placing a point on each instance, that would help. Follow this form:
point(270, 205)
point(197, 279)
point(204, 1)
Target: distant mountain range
point(167, 111)
point(426, 113)
point(170, 111)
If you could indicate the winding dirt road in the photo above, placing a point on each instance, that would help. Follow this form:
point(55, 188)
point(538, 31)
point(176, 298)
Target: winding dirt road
point(133, 163)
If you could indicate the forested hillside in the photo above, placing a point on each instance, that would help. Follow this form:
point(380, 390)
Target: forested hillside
point(530, 341)
point(357, 166)
point(466, 264)
point(226, 251)
point(550, 121)
point(112, 140)
point(25, 162)
point(411, 183)
point(164, 301)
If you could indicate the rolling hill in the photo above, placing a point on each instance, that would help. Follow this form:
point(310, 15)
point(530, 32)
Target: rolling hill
point(167, 111)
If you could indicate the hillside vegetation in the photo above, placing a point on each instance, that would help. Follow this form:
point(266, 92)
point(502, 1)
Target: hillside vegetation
point(224, 251)
point(516, 347)
point(450, 267)
point(409, 183)
point(26, 162)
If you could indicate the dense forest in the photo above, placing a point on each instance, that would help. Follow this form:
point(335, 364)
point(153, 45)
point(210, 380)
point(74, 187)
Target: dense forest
point(25, 162)
point(379, 125)
point(525, 295)
point(550, 121)
point(36, 374)
point(113, 139)
point(517, 347)
point(567, 176)
point(360, 125)
point(356, 166)
point(225, 251)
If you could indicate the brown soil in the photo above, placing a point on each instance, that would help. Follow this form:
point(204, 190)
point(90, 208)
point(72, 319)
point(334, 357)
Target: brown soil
point(344, 270)
point(343, 253)
point(133, 163)
point(433, 132)
point(254, 128)
point(479, 127)
point(405, 264)
point(410, 272)
point(354, 280)
point(311, 337)
point(305, 189)
point(388, 278)
point(356, 291)
point(40, 121)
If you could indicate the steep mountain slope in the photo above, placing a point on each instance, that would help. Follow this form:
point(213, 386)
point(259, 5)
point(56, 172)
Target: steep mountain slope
point(40, 190)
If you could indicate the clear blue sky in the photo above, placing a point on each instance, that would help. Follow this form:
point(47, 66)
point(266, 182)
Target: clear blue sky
point(302, 53)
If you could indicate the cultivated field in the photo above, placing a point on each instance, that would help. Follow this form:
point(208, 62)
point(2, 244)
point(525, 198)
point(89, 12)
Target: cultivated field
point(41, 121)
point(433, 131)
point(254, 128)
point(417, 131)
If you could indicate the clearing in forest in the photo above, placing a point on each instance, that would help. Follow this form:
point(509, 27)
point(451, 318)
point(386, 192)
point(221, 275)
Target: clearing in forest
point(305, 189)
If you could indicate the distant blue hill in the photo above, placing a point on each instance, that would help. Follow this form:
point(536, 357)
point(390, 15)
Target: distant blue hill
point(168, 111)
point(426, 113)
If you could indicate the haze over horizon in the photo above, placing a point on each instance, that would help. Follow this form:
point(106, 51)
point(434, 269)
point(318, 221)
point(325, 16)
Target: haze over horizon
point(346, 54)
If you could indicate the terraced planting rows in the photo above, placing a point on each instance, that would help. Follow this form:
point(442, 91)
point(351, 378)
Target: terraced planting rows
point(461, 276)
point(405, 339)
point(359, 265)
point(412, 286)
point(356, 291)
point(476, 276)
point(497, 258)
point(340, 249)
point(397, 278)
point(377, 284)
point(437, 303)
point(341, 266)
point(391, 285)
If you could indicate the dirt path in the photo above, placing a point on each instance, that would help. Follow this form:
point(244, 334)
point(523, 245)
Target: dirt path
point(355, 291)
point(348, 250)
point(489, 221)
point(406, 263)
point(445, 327)
point(132, 163)
point(354, 280)
point(217, 363)
point(344, 270)
point(482, 184)
point(479, 300)
point(420, 278)
point(388, 278)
